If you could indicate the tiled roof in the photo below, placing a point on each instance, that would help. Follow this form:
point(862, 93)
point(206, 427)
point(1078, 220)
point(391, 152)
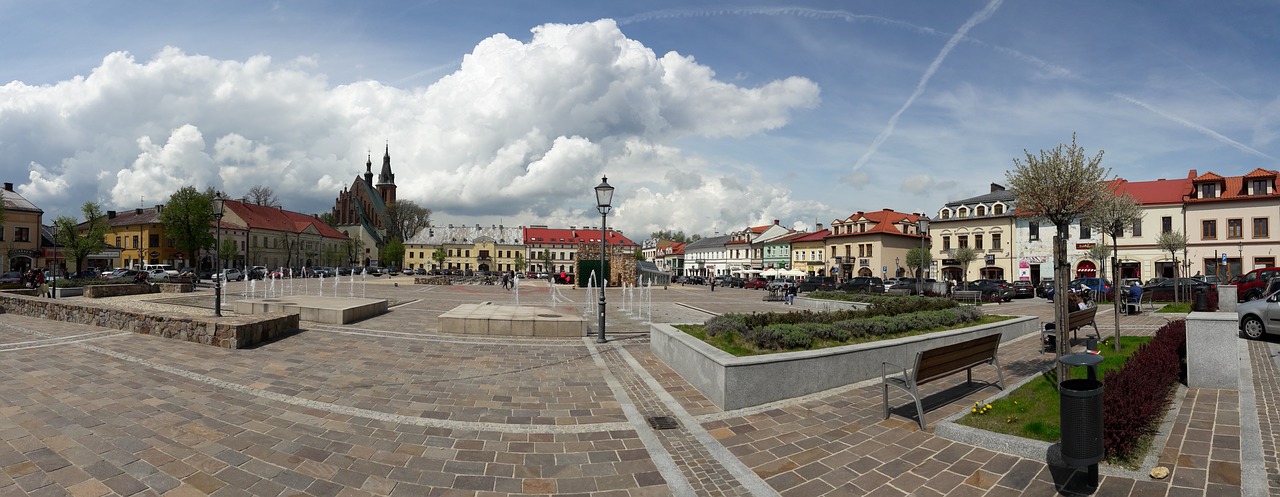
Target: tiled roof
point(1161, 191)
point(706, 243)
point(277, 219)
point(13, 201)
point(149, 215)
point(1260, 173)
point(1004, 196)
point(813, 237)
point(572, 236)
point(1209, 176)
point(883, 222)
point(444, 235)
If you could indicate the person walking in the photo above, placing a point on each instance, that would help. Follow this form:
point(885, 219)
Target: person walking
point(791, 294)
point(713, 284)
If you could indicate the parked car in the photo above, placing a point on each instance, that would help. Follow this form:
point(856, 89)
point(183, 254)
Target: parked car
point(1023, 290)
point(87, 274)
point(420, 272)
point(344, 271)
point(127, 274)
point(232, 274)
point(1162, 290)
point(757, 283)
point(1045, 288)
point(992, 289)
point(911, 285)
point(888, 283)
point(816, 283)
point(1260, 316)
point(158, 274)
point(373, 271)
point(257, 273)
point(864, 284)
point(1250, 286)
point(10, 277)
point(779, 284)
point(1101, 288)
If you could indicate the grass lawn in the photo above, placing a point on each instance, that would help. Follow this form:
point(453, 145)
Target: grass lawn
point(1176, 308)
point(735, 345)
point(1032, 411)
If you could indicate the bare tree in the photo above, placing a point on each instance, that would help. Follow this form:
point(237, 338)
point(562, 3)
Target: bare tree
point(1059, 185)
point(965, 256)
point(1110, 218)
point(405, 219)
point(262, 195)
point(1173, 241)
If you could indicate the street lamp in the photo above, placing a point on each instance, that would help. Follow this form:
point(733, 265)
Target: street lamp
point(604, 199)
point(922, 229)
point(1240, 246)
point(54, 273)
point(219, 206)
point(896, 266)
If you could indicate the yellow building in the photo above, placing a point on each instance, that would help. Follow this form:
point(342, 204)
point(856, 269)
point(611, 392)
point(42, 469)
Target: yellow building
point(20, 236)
point(474, 248)
point(872, 244)
point(808, 252)
point(140, 236)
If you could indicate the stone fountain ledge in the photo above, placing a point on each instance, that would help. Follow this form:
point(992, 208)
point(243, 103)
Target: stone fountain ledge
point(230, 332)
point(509, 320)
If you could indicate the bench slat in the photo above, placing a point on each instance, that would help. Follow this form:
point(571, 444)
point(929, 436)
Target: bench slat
point(943, 361)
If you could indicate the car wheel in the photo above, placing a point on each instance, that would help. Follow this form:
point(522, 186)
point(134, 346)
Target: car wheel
point(1252, 295)
point(1252, 328)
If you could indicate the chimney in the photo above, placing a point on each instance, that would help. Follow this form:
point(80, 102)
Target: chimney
point(819, 227)
point(775, 221)
point(1192, 174)
point(996, 188)
point(159, 207)
point(8, 187)
point(111, 214)
point(137, 212)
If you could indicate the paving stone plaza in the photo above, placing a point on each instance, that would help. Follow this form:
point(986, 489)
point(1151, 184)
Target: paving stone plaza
point(391, 406)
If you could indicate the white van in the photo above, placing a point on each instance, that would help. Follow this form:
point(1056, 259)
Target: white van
point(167, 268)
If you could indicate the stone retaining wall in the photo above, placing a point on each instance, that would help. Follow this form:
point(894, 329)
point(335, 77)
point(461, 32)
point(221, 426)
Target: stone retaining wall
point(432, 280)
point(100, 291)
point(226, 332)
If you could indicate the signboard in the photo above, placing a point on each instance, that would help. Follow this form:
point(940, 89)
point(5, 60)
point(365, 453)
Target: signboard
point(864, 262)
point(1084, 246)
point(1224, 257)
point(991, 260)
point(154, 254)
point(884, 269)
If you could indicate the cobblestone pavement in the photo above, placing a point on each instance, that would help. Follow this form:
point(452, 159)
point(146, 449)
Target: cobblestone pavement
point(390, 406)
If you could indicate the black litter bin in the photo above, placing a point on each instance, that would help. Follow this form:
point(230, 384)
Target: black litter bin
point(1081, 416)
point(1201, 302)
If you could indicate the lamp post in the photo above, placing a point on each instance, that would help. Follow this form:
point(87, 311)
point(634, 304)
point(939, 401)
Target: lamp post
point(896, 266)
point(604, 199)
point(922, 229)
point(1240, 246)
point(53, 277)
point(219, 204)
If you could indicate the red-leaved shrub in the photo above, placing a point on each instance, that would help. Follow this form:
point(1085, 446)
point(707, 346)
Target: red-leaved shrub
point(1134, 398)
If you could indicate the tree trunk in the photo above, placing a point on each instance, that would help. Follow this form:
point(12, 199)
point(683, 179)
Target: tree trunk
point(1061, 271)
point(1115, 294)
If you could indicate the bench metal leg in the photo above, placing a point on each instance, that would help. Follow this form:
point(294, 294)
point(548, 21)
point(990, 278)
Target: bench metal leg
point(915, 394)
point(886, 400)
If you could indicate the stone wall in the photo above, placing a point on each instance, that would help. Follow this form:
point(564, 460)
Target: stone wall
point(231, 332)
point(622, 263)
point(432, 280)
point(100, 291)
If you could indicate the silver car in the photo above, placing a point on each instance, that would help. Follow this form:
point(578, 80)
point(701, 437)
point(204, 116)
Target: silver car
point(1261, 316)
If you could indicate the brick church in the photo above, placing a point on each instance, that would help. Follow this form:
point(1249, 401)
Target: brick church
point(361, 212)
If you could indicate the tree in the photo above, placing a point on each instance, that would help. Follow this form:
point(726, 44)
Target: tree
point(520, 264)
point(262, 195)
point(80, 243)
point(440, 255)
point(392, 254)
point(332, 255)
point(639, 255)
point(1113, 214)
point(546, 261)
point(405, 219)
point(1100, 252)
point(914, 262)
point(354, 248)
point(1173, 241)
point(965, 256)
point(187, 219)
point(675, 236)
point(1059, 185)
point(328, 218)
point(227, 252)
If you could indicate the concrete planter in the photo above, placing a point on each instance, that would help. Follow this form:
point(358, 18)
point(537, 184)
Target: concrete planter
point(69, 292)
point(737, 382)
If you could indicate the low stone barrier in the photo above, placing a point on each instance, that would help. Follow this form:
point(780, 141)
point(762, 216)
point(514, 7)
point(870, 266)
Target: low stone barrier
point(175, 287)
point(432, 280)
point(230, 332)
point(737, 382)
point(119, 290)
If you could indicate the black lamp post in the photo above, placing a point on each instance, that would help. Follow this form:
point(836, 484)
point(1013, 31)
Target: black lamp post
point(1240, 246)
point(219, 205)
point(922, 229)
point(53, 273)
point(604, 199)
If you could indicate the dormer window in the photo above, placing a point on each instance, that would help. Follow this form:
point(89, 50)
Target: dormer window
point(999, 209)
point(1208, 190)
point(963, 212)
point(982, 210)
point(1258, 187)
point(945, 214)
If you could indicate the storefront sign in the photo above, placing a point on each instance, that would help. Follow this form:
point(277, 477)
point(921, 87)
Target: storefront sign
point(991, 259)
point(1084, 246)
point(950, 262)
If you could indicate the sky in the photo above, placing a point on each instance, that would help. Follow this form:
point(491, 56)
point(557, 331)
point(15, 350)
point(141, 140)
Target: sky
point(706, 117)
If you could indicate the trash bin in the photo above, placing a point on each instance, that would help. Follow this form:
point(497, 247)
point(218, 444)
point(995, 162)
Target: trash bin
point(1081, 416)
point(1201, 302)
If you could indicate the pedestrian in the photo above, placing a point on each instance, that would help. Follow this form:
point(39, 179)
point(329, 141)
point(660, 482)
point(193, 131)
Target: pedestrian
point(713, 284)
point(791, 295)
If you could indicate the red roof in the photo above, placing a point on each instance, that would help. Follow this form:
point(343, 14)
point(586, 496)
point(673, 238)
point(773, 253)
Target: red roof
point(1260, 173)
point(1161, 191)
point(572, 236)
point(883, 222)
point(1209, 176)
point(277, 219)
point(1235, 187)
point(812, 237)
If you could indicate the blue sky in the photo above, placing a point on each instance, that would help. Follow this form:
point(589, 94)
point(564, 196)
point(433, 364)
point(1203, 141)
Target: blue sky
point(705, 116)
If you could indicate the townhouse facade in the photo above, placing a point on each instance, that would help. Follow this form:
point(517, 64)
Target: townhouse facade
point(468, 248)
point(140, 237)
point(868, 243)
point(555, 250)
point(1228, 222)
point(707, 257)
point(20, 247)
point(984, 223)
point(279, 238)
point(808, 252)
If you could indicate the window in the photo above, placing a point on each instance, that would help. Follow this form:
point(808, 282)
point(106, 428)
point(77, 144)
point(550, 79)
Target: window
point(1034, 229)
point(1258, 187)
point(1208, 229)
point(982, 210)
point(963, 241)
point(1260, 228)
point(977, 242)
point(999, 209)
point(1208, 190)
point(946, 243)
point(995, 241)
point(1235, 228)
point(22, 234)
point(1166, 224)
point(1264, 262)
point(135, 242)
point(862, 250)
point(1137, 228)
point(964, 212)
point(870, 250)
point(1085, 232)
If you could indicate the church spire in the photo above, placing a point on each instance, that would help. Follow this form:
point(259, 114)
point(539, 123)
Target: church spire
point(386, 177)
point(368, 170)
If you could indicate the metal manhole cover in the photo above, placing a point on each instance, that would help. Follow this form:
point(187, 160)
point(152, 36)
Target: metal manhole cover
point(663, 422)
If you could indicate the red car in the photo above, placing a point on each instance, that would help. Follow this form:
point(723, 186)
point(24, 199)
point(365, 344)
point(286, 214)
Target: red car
point(758, 283)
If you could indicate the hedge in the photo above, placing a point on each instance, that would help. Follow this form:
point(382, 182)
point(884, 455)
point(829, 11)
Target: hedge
point(798, 330)
point(1135, 398)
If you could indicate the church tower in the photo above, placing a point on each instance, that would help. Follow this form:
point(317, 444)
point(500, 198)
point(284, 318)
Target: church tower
point(386, 179)
point(368, 170)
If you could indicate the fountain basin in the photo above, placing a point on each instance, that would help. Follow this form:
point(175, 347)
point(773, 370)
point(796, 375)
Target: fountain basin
point(509, 320)
point(331, 310)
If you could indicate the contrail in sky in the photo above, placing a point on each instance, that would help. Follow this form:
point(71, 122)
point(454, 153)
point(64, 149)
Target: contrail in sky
point(982, 15)
point(1211, 133)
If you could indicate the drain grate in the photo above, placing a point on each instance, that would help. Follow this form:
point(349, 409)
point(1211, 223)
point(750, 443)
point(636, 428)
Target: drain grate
point(663, 422)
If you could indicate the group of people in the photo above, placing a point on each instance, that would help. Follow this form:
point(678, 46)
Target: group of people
point(33, 278)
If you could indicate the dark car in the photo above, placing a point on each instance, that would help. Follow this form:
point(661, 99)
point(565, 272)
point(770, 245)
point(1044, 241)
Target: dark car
point(816, 283)
point(1023, 290)
point(1163, 290)
point(992, 289)
point(911, 285)
point(864, 284)
point(757, 283)
point(1045, 288)
point(10, 277)
point(1101, 288)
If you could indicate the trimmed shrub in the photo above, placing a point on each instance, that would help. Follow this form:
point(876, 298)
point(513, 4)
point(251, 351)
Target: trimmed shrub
point(1135, 398)
point(726, 323)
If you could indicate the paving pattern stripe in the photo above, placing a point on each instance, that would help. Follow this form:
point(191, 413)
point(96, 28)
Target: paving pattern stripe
point(1259, 392)
point(745, 476)
point(423, 337)
point(354, 411)
point(35, 344)
point(657, 452)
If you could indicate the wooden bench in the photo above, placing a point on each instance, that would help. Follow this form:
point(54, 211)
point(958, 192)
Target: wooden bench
point(1075, 321)
point(941, 362)
point(970, 296)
